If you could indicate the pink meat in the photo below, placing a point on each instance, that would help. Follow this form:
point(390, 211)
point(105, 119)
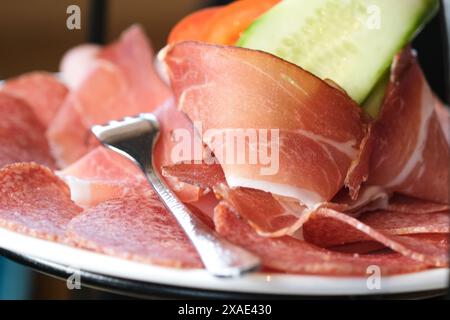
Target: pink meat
point(77, 63)
point(411, 153)
point(22, 136)
point(135, 228)
point(230, 88)
point(122, 82)
point(102, 175)
point(290, 255)
point(42, 91)
point(34, 201)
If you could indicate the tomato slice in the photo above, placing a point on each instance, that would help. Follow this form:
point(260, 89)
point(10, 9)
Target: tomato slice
point(227, 25)
point(194, 26)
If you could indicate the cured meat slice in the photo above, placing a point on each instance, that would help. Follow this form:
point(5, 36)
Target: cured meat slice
point(267, 215)
point(310, 131)
point(22, 137)
point(443, 114)
point(102, 175)
point(329, 231)
point(131, 89)
point(296, 256)
point(34, 201)
point(42, 91)
point(176, 145)
point(411, 153)
point(134, 228)
point(77, 63)
point(334, 228)
point(203, 175)
point(121, 82)
point(405, 204)
point(68, 136)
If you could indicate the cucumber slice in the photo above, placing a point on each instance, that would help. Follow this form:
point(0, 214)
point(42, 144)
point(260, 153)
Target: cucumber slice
point(351, 42)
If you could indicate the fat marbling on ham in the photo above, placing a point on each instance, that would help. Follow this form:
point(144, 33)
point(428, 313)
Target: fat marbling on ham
point(411, 154)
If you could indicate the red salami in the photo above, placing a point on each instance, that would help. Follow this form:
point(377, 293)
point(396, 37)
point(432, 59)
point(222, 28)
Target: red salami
point(22, 137)
point(135, 228)
point(34, 201)
point(42, 91)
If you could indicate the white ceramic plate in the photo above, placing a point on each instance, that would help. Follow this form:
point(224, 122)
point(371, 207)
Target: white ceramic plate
point(261, 283)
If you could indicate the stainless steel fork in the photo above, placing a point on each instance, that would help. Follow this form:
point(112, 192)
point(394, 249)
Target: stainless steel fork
point(135, 138)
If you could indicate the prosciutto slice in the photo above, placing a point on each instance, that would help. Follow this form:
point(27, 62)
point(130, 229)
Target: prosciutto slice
point(229, 89)
point(42, 91)
point(411, 154)
point(35, 202)
point(135, 228)
point(329, 231)
point(296, 256)
point(102, 175)
point(22, 137)
point(77, 63)
point(121, 82)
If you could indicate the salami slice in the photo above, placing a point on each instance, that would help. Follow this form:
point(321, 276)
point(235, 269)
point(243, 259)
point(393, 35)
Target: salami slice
point(42, 91)
point(22, 137)
point(34, 201)
point(296, 256)
point(135, 228)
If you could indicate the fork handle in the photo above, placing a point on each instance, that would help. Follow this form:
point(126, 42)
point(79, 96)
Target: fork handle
point(220, 257)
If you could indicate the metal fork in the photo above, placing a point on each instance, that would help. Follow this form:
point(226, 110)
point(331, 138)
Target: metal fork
point(135, 139)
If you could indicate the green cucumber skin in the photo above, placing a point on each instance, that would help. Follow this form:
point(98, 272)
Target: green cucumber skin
point(355, 77)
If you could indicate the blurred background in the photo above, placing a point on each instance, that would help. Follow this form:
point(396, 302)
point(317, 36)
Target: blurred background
point(33, 36)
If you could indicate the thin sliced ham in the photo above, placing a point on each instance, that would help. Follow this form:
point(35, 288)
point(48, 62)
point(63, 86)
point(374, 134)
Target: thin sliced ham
point(229, 89)
point(399, 203)
point(22, 137)
point(68, 136)
point(77, 63)
point(135, 228)
point(174, 128)
point(121, 82)
point(335, 228)
point(329, 231)
point(411, 154)
point(102, 175)
point(42, 91)
point(287, 254)
point(443, 113)
point(35, 202)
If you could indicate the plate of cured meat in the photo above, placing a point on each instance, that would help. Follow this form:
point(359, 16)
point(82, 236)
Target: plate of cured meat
point(315, 143)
